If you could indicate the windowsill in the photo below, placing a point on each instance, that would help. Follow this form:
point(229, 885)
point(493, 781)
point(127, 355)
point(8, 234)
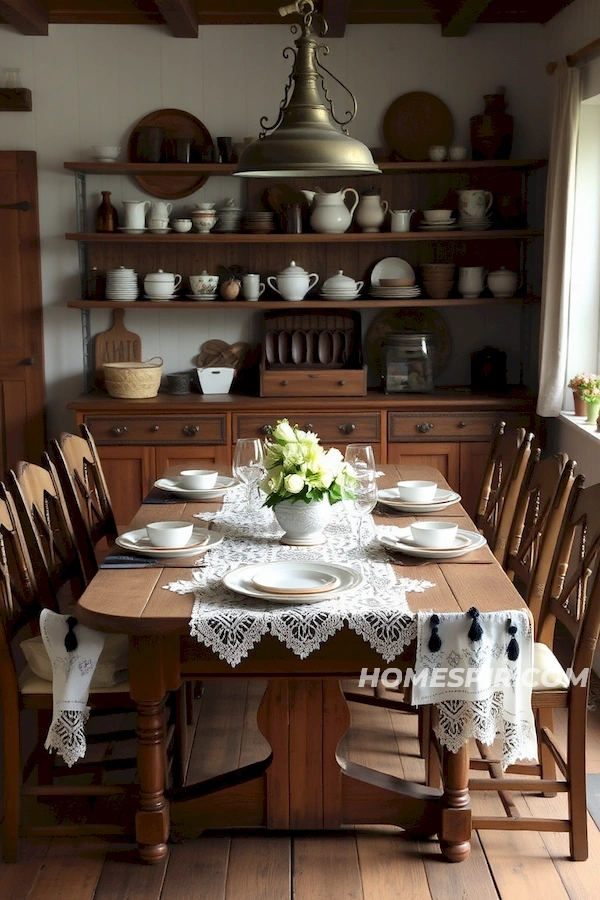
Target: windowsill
point(580, 425)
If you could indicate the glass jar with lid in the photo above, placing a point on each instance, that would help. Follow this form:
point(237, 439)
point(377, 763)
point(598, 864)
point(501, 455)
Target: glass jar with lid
point(408, 362)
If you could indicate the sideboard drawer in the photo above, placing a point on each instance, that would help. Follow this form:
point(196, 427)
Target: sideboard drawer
point(450, 426)
point(335, 428)
point(158, 429)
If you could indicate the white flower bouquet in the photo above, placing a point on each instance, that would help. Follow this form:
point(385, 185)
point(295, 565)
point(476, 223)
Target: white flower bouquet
point(299, 469)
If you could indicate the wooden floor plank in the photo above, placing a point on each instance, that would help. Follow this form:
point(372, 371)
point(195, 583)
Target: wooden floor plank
point(17, 879)
point(123, 877)
point(259, 868)
point(325, 867)
point(391, 866)
point(71, 870)
point(198, 869)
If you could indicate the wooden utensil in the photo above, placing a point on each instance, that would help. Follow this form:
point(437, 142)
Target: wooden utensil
point(115, 345)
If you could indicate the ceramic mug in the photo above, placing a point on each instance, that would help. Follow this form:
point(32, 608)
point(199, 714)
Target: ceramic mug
point(470, 280)
point(474, 203)
point(400, 219)
point(252, 286)
point(158, 223)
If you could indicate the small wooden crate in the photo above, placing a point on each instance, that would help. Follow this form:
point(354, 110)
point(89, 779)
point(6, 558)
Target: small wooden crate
point(312, 354)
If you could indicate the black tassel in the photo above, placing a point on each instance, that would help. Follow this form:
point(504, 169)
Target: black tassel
point(512, 651)
point(435, 641)
point(475, 631)
point(70, 636)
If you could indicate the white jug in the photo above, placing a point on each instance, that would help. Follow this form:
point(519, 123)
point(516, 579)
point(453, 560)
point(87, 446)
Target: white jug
point(330, 215)
point(400, 219)
point(470, 280)
point(371, 211)
point(160, 210)
point(135, 213)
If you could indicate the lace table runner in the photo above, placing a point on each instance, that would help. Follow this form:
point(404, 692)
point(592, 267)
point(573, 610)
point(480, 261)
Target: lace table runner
point(231, 624)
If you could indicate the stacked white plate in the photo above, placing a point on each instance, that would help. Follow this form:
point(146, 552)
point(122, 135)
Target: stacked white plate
point(121, 284)
point(213, 296)
point(446, 225)
point(339, 294)
point(442, 499)
point(391, 267)
point(138, 542)
point(464, 542)
point(174, 486)
point(474, 223)
point(293, 582)
point(258, 222)
point(395, 292)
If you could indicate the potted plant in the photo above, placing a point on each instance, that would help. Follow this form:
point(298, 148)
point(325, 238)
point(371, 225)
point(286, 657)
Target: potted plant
point(303, 481)
point(586, 390)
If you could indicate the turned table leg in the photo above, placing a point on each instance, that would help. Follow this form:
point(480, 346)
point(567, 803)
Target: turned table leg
point(455, 833)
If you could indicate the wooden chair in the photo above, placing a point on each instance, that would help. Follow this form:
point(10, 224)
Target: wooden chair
point(84, 487)
point(501, 484)
point(24, 591)
point(536, 525)
point(571, 598)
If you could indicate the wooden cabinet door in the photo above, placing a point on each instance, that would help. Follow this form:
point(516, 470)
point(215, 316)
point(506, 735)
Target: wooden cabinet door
point(198, 456)
point(443, 456)
point(22, 391)
point(130, 473)
point(473, 457)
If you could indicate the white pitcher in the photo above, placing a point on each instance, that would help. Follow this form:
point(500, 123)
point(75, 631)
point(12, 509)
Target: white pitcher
point(135, 213)
point(160, 210)
point(330, 215)
point(400, 219)
point(470, 280)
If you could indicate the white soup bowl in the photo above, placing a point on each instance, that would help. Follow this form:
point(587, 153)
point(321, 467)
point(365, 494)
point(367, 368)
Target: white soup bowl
point(198, 479)
point(169, 534)
point(417, 491)
point(435, 535)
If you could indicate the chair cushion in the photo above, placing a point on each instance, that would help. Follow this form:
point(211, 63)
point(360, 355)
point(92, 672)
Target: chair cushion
point(111, 668)
point(549, 674)
point(30, 683)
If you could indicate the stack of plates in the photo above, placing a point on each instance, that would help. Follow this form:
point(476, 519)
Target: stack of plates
point(229, 219)
point(293, 582)
point(392, 292)
point(391, 267)
point(474, 223)
point(174, 486)
point(339, 293)
point(213, 296)
point(121, 284)
point(258, 222)
point(138, 542)
point(464, 542)
point(442, 499)
point(447, 225)
point(131, 230)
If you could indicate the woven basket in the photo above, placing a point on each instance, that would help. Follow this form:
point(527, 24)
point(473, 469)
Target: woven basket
point(133, 380)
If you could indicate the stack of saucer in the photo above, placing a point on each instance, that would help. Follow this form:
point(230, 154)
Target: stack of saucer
point(229, 219)
point(121, 284)
point(442, 225)
point(204, 296)
point(391, 293)
point(474, 223)
point(341, 287)
point(258, 222)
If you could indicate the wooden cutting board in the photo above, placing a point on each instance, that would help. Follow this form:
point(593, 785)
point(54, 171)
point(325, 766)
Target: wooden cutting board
point(115, 345)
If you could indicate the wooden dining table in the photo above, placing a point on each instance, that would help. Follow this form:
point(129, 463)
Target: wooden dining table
point(301, 784)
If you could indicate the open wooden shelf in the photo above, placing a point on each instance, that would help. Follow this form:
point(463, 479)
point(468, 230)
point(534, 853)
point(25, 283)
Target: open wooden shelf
point(313, 303)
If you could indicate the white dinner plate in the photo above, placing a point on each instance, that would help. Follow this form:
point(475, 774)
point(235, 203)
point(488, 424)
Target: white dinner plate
point(441, 499)
point(391, 267)
point(241, 580)
point(404, 543)
point(295, 578)
point(137, 542)
point(173, 486)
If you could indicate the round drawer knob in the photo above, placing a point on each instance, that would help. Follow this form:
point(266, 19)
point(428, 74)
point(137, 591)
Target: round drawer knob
point(156, 428)
point(309, 426)
point(268, 429)
point(118, 430)
point(462, 424)
point(424, 427)
point(191, 430)
point(285, 382)
point(341, 382)
point(347, 429)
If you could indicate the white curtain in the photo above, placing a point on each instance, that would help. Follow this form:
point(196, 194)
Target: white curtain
point(558, 239)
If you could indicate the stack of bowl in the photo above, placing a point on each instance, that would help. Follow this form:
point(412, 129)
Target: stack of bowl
point(121, 284)
point(438, 279)
point(229, 217)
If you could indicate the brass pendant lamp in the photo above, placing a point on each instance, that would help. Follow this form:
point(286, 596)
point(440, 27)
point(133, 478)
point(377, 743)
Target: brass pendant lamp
point(304, 141)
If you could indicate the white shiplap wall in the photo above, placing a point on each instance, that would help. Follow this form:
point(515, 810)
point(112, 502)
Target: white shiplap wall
point(91, 84)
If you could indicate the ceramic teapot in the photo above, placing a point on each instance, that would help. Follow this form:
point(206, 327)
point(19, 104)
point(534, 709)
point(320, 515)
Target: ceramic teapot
point(293, 282)
point(371, 210)
point(330, 215)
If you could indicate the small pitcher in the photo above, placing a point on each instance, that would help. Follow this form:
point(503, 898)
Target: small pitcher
point(371, 210)
point(135, 213)
point(160, 210)
point(400, 219)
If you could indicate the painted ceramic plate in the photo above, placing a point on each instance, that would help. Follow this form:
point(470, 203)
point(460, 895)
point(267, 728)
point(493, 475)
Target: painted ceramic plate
point(137, 542)
point(466, 541)
point(241, 580)
point(173, 486)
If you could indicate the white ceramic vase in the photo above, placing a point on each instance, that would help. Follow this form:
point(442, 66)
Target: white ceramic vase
point(302, 522)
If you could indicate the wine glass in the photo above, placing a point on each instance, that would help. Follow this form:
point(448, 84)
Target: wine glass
point(248, 464)
point(361, 458)
point(365, 498)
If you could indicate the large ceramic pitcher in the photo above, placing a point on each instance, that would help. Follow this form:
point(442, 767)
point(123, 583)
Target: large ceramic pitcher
point(135, 213)
point(330, 215)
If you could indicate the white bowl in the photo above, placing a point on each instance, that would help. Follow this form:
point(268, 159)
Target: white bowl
point(433, 216)
point(417, 491)
point(169, 534)
point(438, 535)
point(181, 225)
point(437, 153)
point(198, 479)
point(105, 154)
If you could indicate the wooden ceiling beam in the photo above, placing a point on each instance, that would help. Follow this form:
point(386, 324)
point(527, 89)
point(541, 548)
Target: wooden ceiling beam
point(336, 15)
point(180, 16)
point(27, 16)
point(464, 18)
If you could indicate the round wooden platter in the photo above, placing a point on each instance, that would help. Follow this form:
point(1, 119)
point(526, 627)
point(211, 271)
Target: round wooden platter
point(177, 124)
point(414, 122)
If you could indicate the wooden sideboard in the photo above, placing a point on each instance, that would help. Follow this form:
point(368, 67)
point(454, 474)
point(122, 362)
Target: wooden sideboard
point(449, 429)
